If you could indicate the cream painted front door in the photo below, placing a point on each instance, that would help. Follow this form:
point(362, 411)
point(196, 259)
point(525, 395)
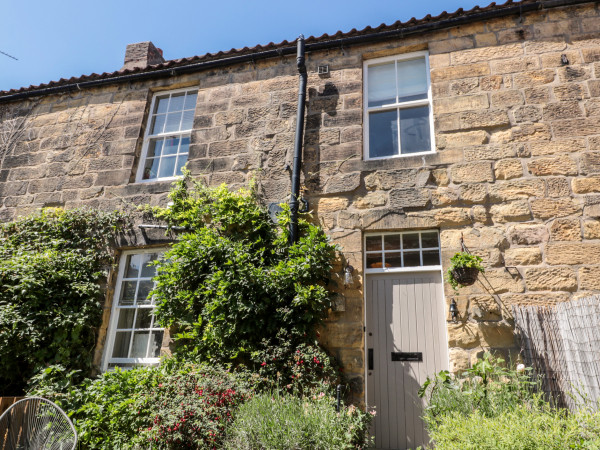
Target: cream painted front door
point(406, 342)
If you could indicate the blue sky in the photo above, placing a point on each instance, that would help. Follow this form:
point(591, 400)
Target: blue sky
point(66, 38)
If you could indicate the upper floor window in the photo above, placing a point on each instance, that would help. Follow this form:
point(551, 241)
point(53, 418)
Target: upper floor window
point(398, 113)
point(167, 139)
point(134, 337)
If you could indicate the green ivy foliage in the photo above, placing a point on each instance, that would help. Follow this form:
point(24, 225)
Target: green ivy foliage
point(232, 286)
point(51, 266)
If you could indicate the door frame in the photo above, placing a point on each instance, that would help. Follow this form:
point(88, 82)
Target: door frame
point(415, 270)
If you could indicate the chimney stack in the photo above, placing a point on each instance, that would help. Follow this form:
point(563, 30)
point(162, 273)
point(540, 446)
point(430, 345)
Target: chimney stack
point(142, 55)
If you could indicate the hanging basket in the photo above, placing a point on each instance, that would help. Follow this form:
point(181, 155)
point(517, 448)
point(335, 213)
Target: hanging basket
point(465, 276)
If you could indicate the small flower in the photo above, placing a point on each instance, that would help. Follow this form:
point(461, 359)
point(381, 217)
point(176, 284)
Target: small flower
point(264, 364)
point(521, 368)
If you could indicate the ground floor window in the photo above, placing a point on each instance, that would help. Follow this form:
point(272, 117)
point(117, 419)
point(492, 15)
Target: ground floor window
point(133, 336)
point(399, 250)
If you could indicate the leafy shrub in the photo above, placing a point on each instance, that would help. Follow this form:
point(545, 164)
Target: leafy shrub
point(193, 408)
point(521, 428)
point(51, 266)
point(174, 405)
point(232, 286)
point(301, 369)
point(275, 421)
point(488, 387)
point(462, 260)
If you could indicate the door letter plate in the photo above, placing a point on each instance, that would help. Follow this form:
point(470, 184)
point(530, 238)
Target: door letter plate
point(407, 356)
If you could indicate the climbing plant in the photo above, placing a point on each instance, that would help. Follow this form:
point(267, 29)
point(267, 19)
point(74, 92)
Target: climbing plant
point(51, 266)
point(231, 286)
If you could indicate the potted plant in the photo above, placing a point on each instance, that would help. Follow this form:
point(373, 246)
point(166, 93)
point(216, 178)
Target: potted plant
point(463, 270)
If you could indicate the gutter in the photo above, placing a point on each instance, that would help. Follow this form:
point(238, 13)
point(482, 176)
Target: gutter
point(517, 9)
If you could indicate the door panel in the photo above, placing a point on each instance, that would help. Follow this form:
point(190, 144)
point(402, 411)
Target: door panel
point(405, 313)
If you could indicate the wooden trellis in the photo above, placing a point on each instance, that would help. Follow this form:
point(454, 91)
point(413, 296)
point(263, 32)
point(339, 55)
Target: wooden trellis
point(562, 344)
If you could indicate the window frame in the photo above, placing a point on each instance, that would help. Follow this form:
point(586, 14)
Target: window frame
point(398, 105)
point(420, 268)
point(148, 137)
point(112, 326)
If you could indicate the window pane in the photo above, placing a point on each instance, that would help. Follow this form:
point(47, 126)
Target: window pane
point(167, 167)
point(190, 100)
point(155, 148)
point(431, 258)
point(158, 124)
point(173, 121)
point(161, 104)
point(144, 318)
point(383, 134)
point(410, 240)
point(412, 80)
point(392, 242)
point(185, 145)
point(132, 266)
point(126, 318)
point(143, 291)
point(148, 269)
point(171, 146)
point(382, 84)
point(140, 344)
point(414, 130)
point(429, 240)
point(374, 261)
point(373, 243)
point(181, 160)
point(412, 259)
point(188, 120)
point(151, 168)
point(121, 347)
point(176, 103)
point(127, 292)
point(393, 260)
point(155, 344)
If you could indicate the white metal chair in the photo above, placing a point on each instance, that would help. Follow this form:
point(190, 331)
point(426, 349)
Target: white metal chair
point(35, 423)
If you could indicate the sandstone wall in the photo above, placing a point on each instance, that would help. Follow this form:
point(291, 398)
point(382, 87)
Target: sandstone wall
point(516, 173)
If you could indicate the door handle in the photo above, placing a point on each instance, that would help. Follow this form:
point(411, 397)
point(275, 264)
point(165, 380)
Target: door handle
point(370, 359)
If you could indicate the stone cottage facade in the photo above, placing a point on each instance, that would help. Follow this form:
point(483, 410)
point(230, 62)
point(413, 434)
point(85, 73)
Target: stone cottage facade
point(480, 125)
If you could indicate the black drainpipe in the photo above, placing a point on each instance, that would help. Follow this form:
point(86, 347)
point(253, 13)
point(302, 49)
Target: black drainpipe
point(297, 165)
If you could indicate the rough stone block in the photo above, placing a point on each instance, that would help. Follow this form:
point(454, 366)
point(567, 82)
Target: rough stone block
point(459, 360)
point(342, 183)
point(528, 234)
point(458, 72)
point(506, 169)
point(464, 139)
point(527, 113)
point(502, 99)
point(484, 307)
point(486, 53)
point(556, 147)
point(548, 208)
point(586, 185)
point(474, 172)
point(408, 198)
point(515, 211)
point(591, 229)
point(590, 162)
point(524, 256)
point(463, 335)
point(491, 151)
point(589, 277)
point(461, 103)
point(473, 192)
point(534, 78)
point(483, 119)
point(497, 335)
point(572, 253)
point(560, 165)
point(551, 279)
point(516, 189)
point(329, 204)
point(570, 91)
point(522, 64)
point(565, 230)
point(371, 200)
point(401, 178)
point(452, 216)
